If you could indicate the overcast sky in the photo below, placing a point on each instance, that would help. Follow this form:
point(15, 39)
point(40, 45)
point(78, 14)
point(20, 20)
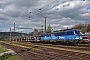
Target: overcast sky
point(60, 14)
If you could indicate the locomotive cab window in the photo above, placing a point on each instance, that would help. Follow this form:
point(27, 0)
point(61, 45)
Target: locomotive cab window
point(70, 33)
point(77, 33)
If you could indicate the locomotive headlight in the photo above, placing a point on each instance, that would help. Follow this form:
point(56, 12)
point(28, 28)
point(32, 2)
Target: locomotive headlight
point(78, 37)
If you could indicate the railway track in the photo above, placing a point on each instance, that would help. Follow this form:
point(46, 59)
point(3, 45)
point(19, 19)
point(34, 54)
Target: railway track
point(46, 53)
point(82, 47)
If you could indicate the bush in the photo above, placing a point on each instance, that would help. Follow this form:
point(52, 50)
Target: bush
point(5, 56)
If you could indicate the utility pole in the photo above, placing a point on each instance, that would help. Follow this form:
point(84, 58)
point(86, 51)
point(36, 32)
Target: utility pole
point(42, 29)
point(14, 27)
point(45, 24)
point(21, 36)
point(10, 35)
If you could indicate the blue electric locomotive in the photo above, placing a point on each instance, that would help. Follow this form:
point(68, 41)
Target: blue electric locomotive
point(68, 36)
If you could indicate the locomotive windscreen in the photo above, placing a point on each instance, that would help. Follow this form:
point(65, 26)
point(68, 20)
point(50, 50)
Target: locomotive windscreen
point(77, 32)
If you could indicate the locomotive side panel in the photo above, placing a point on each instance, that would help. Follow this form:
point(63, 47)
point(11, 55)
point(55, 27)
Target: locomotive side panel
point(66, 36)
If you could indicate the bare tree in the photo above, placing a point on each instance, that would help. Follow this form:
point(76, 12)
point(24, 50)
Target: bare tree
point(49, 29)
point(81, 27)
point(88, 28)
point(35, 32)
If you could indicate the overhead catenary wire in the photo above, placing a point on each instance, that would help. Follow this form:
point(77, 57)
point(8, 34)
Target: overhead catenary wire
point(46, 7)
point(70, 12)
point(42, 8)
point(67, 13)
point(25, 7)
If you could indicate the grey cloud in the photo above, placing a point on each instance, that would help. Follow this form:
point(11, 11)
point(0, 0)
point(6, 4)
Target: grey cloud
point(59, 14)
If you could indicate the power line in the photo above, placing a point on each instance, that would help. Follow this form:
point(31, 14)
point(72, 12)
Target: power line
point(74, 9)
point(46, 7)
point(23, 28)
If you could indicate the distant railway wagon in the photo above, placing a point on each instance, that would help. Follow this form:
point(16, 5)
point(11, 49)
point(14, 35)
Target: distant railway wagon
point(30, 38)
point(86, 39)
point(69, 36)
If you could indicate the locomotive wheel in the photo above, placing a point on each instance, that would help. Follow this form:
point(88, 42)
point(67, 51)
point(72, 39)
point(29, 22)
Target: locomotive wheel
point(76, 44)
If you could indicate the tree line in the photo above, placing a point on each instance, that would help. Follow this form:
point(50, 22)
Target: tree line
point(84, 28)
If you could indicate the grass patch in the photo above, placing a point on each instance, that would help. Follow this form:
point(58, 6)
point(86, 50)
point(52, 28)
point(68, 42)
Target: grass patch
point(13, 58)
point(2, 49)
point(5, 56)
point(9, 57)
